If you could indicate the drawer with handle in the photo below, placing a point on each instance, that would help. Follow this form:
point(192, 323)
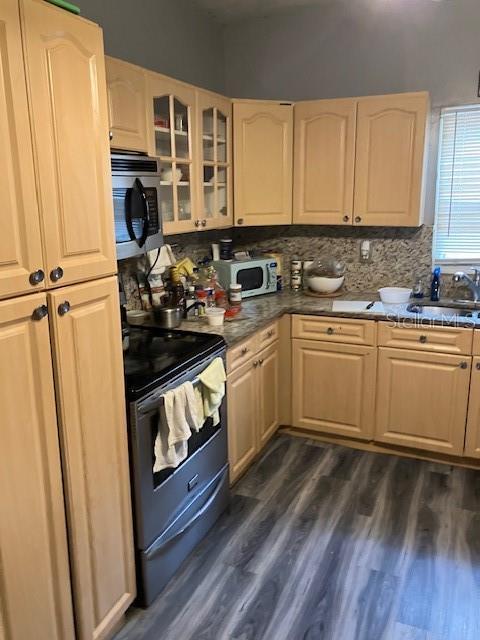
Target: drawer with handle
point(345, 330)
point(454, 340)
point(242, 352)
point(268, 335)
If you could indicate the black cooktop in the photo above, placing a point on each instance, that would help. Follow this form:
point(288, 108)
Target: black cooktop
point(156, 355)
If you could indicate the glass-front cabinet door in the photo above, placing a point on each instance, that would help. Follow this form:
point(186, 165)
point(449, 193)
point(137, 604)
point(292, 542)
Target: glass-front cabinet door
point(215, 145)
point(172, 141)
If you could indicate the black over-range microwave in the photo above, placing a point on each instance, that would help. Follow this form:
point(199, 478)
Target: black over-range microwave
point(136, 187)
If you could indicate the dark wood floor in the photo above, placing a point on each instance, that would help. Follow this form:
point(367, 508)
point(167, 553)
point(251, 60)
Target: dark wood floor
point(324, 542)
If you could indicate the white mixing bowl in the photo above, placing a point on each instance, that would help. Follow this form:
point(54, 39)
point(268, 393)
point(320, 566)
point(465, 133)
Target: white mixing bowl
point(322, 284)
point(395, 295)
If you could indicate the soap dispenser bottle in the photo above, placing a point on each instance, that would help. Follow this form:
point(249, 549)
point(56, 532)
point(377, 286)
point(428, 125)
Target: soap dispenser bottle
point(435, 288)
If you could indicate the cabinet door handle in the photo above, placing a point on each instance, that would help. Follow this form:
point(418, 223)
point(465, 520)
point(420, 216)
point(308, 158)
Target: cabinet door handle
point(197, 223)
point(423, 339)
point(346, 218)
point(240, 221)
point(270, 333)
point(204, 223)
point(36, 277)
point(63, 308)
point(244, 351)
point(477, 366)
point(56, 274)
point(463, 365)
point(110, 135)
point(358, 219)
point(40, 312)
point(330, 330)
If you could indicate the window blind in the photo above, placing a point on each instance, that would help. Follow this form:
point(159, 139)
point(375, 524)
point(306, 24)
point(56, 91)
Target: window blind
point(457, 215)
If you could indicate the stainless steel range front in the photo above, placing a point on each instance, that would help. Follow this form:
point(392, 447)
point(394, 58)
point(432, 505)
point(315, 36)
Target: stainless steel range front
point(173, 508)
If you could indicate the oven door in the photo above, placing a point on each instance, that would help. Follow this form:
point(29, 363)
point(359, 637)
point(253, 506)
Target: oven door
point(136, 214)
point(161, 497)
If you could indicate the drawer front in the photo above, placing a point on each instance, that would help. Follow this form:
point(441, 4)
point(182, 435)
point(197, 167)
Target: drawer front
point(344, 330)
point(267, 335)
point(476, 342)
point(457, 341)
point(238, 355)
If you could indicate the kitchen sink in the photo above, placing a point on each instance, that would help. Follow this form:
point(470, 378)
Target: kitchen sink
point(430, 310)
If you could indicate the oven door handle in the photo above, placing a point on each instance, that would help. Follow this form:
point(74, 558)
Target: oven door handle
point(138, 186)
point(157, 547)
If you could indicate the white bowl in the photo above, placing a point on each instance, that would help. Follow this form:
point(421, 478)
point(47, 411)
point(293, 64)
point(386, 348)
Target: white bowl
point(395, 295)
point(215, 316)
point(322, 284)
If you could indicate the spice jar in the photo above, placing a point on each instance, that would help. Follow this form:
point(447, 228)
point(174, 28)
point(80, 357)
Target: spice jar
point(235, 294)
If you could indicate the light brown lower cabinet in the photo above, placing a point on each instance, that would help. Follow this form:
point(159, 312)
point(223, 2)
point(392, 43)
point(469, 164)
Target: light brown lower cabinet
point(333, 388)
point(253, 407)
point(35, 599)
point(422, 399)
point(472, 438)
point(92, 422)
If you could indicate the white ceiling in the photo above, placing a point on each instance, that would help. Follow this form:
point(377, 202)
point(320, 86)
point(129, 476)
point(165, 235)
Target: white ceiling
point(231, 10)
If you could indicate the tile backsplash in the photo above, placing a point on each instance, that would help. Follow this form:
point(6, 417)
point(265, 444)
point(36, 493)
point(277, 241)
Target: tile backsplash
point(398, 255)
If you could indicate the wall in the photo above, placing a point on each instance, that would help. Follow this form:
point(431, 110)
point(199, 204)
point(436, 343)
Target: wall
point(175, 38)
point(361, 47)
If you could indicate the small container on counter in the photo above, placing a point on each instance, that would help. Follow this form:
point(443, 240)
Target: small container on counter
point(226, 249)
point(215, 316)
point(235, 294)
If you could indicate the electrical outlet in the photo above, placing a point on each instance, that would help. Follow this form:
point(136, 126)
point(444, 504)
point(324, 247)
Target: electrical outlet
point(365, 251)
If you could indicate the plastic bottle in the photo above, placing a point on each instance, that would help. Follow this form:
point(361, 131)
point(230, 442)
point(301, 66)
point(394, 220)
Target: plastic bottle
point(435, 287)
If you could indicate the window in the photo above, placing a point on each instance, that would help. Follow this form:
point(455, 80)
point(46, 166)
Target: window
point(457, 210)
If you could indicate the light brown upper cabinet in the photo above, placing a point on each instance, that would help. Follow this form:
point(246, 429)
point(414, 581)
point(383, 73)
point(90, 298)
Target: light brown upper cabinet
point(127, 98)
point(324, 161)
point(21, 260)
point(88, 367)
point(214, 129)
point(171, 118)
point(391, 133)
point(67, 92)
point(263, 141)
point(35, 583)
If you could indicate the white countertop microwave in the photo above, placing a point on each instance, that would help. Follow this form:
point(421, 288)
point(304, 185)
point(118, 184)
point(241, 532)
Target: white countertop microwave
point(256, 275)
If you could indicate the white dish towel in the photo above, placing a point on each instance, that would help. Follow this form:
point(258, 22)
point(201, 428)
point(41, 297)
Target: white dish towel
point(213, 380)
point(177, 417)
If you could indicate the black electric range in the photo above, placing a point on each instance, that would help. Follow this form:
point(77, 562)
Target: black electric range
point(156, 355)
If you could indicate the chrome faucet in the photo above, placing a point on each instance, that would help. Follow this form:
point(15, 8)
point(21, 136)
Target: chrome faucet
point(472, 283)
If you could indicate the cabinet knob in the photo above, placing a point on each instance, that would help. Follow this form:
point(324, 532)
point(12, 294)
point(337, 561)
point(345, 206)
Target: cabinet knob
point(197, 223)
point(56, 274)
point(423, 339)
point(330, 330)
point(204, 223)
point(346, 218)
point(110, 135)
point(255, 363)
point(260, 362)
point(358, 219)
point(40, 312)
point(477, 366)
point(463, 365)
point(244, 351)
point(240, 221)
point(63, 308)
point(36, 277)
point(270, 333)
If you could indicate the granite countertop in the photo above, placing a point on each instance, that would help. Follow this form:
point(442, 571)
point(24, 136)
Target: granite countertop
point(258, 311)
